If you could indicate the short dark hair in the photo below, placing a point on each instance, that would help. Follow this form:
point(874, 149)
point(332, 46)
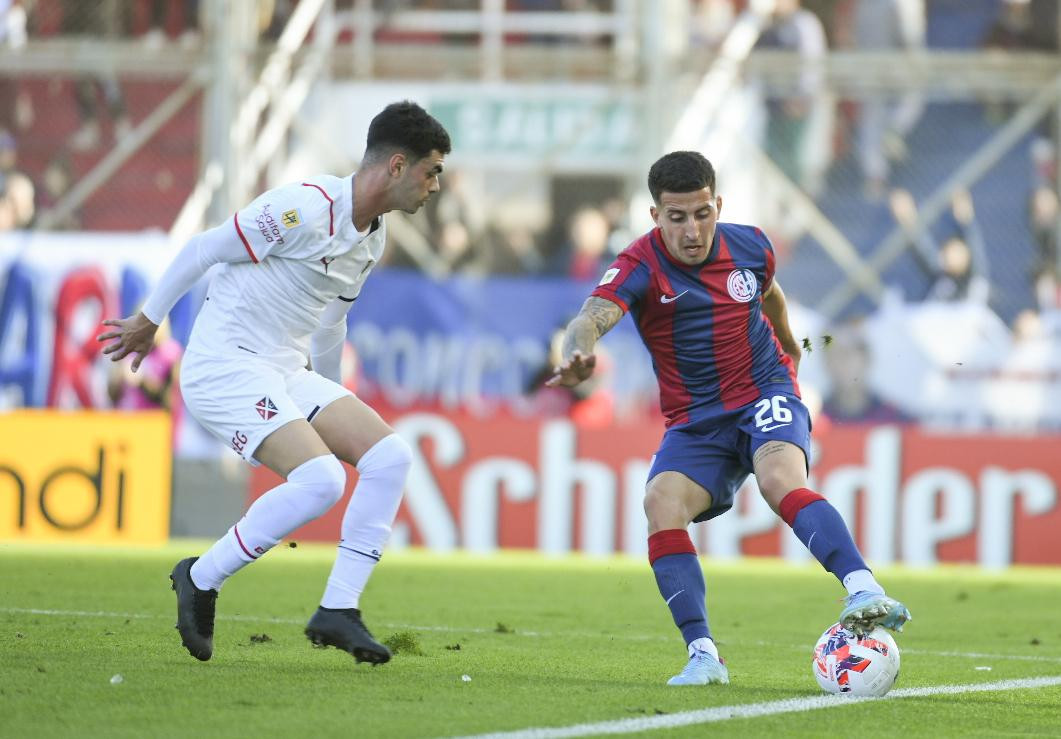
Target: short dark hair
point(680, 171)
point(407, 126)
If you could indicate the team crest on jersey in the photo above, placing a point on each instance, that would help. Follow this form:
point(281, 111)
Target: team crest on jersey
point(608, 276)
point(742, 285)
point(291, 218)
point(265, 408)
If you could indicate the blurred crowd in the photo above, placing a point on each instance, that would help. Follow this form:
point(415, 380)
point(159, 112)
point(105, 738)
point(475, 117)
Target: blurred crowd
point(69, 122)
point(578, 239)
point(572, 227)
point(871, 139)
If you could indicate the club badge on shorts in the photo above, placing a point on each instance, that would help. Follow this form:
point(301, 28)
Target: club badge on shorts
point(265, 408)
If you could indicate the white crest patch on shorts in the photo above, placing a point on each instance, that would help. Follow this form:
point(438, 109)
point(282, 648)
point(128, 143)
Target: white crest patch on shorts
point(608, 276)
point(742, 285)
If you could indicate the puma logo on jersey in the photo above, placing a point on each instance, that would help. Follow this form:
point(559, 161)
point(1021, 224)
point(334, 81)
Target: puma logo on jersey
point(667, 299)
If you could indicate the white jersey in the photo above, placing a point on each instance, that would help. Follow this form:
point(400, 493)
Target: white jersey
point(304, 252)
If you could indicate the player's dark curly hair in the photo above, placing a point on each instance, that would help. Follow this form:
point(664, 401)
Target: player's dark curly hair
point(680, 171)
point(407, 126)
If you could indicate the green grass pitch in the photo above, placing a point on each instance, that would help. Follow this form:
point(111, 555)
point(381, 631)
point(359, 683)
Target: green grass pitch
point(545, 643)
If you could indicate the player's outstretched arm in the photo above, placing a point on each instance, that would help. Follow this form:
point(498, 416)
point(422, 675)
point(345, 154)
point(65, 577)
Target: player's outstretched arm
point(136, 334)
point(596, 318)
point(776, 309)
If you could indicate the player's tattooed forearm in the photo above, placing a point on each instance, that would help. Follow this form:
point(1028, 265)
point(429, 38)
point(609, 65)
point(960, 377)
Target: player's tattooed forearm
point(594, 320)
point(603, 313)
point(581, 336)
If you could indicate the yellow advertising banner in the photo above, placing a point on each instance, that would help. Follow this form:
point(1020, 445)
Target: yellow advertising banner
point(85, 476)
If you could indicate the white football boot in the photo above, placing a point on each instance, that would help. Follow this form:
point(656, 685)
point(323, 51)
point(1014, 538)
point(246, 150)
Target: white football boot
point(703, 668)
point(865, 610)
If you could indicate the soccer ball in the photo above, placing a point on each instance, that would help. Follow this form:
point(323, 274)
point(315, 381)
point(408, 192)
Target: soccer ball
point(855, 665)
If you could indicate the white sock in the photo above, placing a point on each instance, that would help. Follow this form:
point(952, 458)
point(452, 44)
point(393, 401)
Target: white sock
point(860, 580)
point(703, 644)
point(367, 521)
point(311, 489)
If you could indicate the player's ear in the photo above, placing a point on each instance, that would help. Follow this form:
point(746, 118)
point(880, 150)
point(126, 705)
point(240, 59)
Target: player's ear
point(397, 164)
point(654, 213)
point(718, 206)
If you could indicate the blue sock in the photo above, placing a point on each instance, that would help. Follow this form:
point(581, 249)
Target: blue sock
point(680, 581)
point(823, 531)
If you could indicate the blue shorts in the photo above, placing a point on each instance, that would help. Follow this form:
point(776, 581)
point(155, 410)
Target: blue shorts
point(717, 452)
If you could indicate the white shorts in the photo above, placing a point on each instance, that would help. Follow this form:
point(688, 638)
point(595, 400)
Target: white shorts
point(242, 401)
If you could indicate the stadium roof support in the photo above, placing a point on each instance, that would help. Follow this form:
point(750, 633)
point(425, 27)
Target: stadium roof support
point(236, 148)
point(699, 122)
point(975, 167)
point(125, 148)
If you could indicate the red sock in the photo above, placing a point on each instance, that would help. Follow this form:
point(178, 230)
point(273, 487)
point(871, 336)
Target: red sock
point(796, 501)
point(669, 541)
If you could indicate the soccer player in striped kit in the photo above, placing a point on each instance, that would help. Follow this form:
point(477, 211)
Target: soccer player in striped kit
point(714, 319)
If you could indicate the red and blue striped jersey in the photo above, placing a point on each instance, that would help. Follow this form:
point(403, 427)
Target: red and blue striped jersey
point(713, 349)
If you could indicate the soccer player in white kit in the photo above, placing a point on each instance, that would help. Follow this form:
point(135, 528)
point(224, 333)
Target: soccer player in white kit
point(293, 262)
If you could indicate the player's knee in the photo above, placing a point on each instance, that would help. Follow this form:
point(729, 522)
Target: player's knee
point(653, 501)
point(402, 453)
point(324, 480)
point(663, 510)
point(391, 456)
point(653, 496)
point(333, 483)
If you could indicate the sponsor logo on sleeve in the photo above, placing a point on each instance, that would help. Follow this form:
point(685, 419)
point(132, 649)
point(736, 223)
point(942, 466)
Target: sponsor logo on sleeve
point(291, 218)
point(608, 276)
point(268, 226)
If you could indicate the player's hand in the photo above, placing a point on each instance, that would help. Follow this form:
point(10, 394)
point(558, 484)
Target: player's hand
point(135, 335)
point(573, 371)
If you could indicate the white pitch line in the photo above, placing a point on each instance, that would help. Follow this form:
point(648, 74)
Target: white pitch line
point(983, 655)
point(755, 710)
point(515, 632)
point(153, 616)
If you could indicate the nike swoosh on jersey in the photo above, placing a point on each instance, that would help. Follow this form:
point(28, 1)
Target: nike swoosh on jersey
point(774, 426)
point(666, 299)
